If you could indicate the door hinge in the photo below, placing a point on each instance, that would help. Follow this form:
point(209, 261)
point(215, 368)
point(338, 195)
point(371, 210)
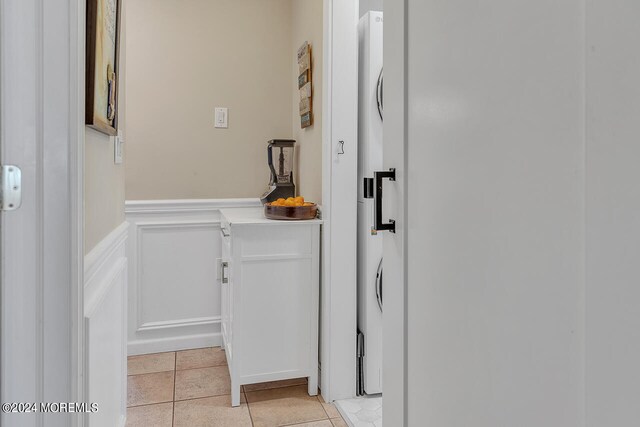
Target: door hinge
point(10, 187)
point(360, 364)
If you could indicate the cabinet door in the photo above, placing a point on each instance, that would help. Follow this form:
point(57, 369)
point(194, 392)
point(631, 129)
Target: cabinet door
point(230, 305)
point(224, 292)
point(225, 279)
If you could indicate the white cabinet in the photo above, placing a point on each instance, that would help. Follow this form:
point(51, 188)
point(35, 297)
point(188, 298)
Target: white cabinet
point(270, 296)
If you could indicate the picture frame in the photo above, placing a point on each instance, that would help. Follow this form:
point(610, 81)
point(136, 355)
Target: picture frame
point(102, 65)
point(305, 65)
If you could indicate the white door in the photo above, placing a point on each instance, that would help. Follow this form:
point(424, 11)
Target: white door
point(39, 268)
point(484, 123)
point(613, 223)
point(369, 160)
point(22, 333)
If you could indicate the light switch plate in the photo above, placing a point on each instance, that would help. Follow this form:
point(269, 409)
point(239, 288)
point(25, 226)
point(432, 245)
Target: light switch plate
point(222, 117)
point(117, 149)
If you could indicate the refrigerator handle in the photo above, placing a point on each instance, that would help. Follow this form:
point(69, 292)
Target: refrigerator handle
point(377, 201)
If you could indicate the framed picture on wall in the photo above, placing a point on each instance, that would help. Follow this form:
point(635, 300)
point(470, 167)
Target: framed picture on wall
point(103, 38)
point(305, 85)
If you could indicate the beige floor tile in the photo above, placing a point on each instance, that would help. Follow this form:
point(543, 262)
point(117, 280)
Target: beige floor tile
point(331, 410)
point(323, 423)
point(211, 412)
point(148, 363)
point(146, 389)
point(200, 358)
point(203, 382)
point(284, 406)
point(338, 422)
point(160, 415)
point(274, 384)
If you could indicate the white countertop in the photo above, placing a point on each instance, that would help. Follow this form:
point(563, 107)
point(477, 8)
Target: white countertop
point(256, 216)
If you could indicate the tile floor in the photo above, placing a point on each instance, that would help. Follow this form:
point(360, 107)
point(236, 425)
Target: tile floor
point(362, 411)
point(192, 388)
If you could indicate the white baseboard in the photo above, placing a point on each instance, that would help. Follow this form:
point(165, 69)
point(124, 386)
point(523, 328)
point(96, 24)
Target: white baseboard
point(160, 345)
point(174, 286)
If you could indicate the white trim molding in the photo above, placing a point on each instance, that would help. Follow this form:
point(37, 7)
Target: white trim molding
point(339, 197)
point(149, 326)
point(105, 314)
point(186, 205)
point(107, 252)
point(174, 292)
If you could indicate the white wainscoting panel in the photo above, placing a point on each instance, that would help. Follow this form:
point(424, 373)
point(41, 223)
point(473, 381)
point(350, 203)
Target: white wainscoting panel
point(105, 293)
point(174, 284)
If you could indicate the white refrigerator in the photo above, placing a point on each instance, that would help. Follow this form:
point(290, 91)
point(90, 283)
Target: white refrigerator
point(370, 284)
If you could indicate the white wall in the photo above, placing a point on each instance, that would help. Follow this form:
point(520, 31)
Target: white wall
point(613, 204)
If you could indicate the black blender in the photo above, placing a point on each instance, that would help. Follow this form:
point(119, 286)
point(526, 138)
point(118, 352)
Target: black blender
point(281, 177)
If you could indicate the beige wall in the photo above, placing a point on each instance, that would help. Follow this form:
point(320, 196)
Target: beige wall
point(103, 189)
point(184, 58)
point(104, 181)
point(307, 26)
point(174, 80)
point(238, 54)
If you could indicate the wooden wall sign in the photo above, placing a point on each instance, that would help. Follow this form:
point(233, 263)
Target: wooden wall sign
point(102, 49)
point(305, 85)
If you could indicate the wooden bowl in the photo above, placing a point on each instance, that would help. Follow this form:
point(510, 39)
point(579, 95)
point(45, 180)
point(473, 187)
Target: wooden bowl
point(291, 213)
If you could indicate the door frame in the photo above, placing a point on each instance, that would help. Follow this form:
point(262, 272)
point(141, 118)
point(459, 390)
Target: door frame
point(339, 200)
point(49, 34)
point(77, 126)
point(395, 203)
